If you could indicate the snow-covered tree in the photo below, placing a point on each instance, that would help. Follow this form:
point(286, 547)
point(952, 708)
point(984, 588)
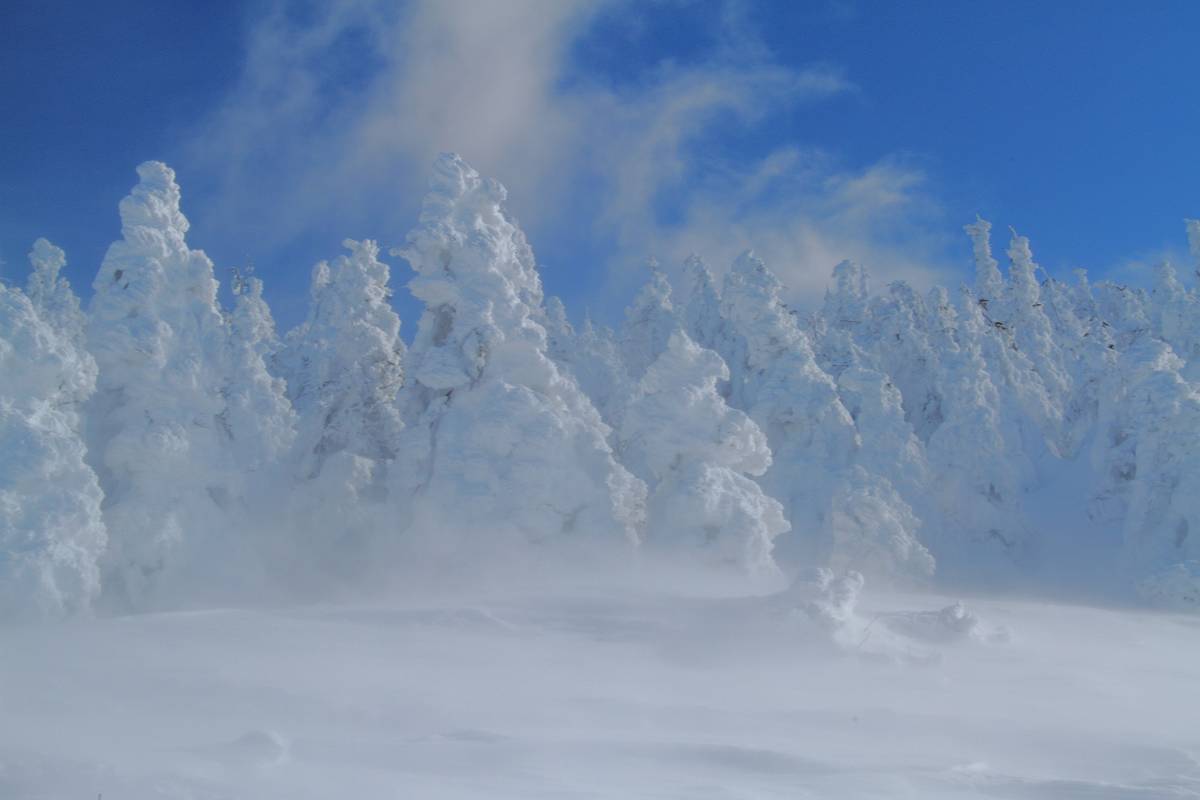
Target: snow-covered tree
point(344, 365)
point(51, 295)
point(159, 339)
point(649, 322)
point(991, 323)
point(976, 464)
point(839, 327)
point(560, 335)
point(775, 379)
point(257, 419)
point(500, 442)
point(875, 529)
point(1148, 456)
point(989, 283)
point(51, 530)
point(897, 340)
point(701, 304)
point(1033, 334)
point(600, 371)
point(1193, 234)
point(696, 453)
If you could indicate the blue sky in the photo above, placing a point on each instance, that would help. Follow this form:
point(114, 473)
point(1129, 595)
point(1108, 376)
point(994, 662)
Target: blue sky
point(810, 131)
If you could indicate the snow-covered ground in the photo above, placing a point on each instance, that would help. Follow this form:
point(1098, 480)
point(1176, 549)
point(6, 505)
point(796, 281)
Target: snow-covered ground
point(549, 693)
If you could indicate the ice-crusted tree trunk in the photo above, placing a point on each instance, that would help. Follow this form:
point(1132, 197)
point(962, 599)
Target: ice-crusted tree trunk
point(696, 453)
point(344, 367)
point(156, 437)
point(52, 533)
point(501, 444)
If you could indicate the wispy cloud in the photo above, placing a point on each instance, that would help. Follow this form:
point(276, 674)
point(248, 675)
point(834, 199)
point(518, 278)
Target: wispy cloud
point(338, 112)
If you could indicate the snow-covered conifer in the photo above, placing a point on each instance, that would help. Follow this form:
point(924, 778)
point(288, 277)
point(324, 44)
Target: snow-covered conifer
point(874, 526)
point(1193, 234)
point(1032, 331)
point(560, 336)
point(345, 363)
point(159, 339)
point(51, 529)
point(897, 338)
point(989, 283)
point(344, 367)
point(775, 379)
point(976, 463)
point(696, 454)
point(257, 419)
point(701, 304)
point(649, 322)
point(500, 443)
point(844, 314)
point(1148, 454)
point(51, 295)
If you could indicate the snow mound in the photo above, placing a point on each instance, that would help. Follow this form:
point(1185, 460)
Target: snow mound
point(256, 748)
point(953, 623)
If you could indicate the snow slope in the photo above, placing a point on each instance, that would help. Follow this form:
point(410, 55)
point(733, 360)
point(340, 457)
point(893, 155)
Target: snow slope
point(642, 693)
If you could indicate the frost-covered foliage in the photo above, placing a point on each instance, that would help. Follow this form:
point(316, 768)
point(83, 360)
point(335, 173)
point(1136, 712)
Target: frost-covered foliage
point(258, 419)
point(155, 425)
point(345, 364)
point(1017, 429)
point(702, 304)
point(699, 455)
point(51, 531)
point(649, 323)
point(774, 377)
point(501, 443)
point(840, 510)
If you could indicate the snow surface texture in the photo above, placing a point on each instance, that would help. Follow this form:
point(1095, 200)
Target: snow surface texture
point(816, 692)
point(162, 451)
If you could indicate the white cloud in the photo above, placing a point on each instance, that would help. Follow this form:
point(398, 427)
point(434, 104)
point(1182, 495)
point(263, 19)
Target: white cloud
point(336, 117)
